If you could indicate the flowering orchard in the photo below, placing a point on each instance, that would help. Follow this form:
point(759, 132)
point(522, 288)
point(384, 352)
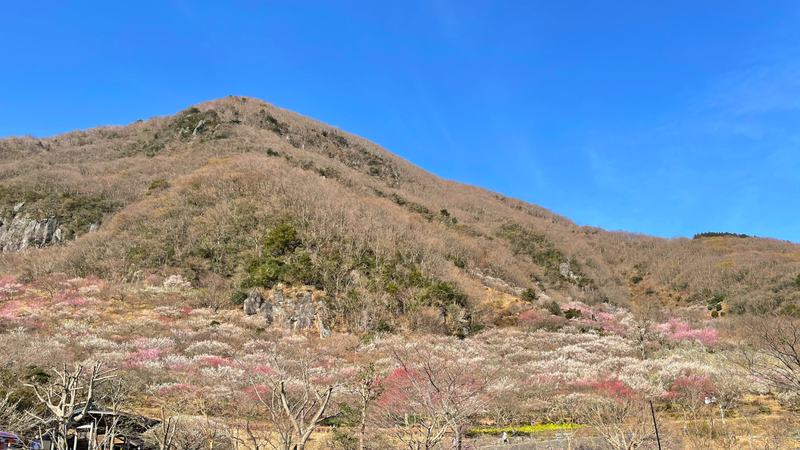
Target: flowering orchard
point(223, 371)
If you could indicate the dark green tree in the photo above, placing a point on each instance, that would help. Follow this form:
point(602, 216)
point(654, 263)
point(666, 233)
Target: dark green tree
point(282, 240)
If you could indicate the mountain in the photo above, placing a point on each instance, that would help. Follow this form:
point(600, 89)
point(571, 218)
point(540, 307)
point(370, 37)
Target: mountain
point(238, 193)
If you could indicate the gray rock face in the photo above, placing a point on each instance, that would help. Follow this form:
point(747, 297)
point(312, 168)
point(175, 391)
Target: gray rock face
point(299, 314)
point(199, 128)
point(252, 303)
point(23, 232)
point(563, 268)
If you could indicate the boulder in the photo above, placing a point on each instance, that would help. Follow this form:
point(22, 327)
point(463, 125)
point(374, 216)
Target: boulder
point(252, 303)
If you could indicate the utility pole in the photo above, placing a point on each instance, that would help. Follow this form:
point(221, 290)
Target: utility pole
point(655, 424)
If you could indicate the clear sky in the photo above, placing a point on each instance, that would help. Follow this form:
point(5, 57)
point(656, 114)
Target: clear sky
point(666, 118)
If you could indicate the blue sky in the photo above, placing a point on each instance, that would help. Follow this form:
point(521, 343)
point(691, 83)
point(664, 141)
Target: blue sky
point(666, 118)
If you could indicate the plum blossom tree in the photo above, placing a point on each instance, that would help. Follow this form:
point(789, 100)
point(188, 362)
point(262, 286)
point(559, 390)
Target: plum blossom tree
point(433, 389)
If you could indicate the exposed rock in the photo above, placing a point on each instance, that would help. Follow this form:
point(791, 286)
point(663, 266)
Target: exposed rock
point(252, 303)
point(23, 232)
point(322, 315)
point(18, 206)
point(563, 268)
point(324, 330)
point(199, 128)
point(288, 314)
point(94, 227)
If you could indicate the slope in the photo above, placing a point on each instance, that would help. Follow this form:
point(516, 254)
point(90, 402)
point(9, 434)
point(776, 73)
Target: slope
point(240, 191)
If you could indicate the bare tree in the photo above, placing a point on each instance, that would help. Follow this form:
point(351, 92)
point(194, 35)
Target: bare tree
point(72, 390)
point(368, 388)
point(773, 356)
point(13, 418)
point(115, 395)
point(624, 423)
point(294, 394)
point(214, 288)
point(164, 433)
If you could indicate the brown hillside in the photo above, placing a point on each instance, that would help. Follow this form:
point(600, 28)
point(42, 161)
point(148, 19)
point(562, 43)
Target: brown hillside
point(205, 190)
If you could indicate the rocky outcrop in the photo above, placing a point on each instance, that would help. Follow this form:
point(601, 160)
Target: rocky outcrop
point(199, 128)
point(22, 232)
point(565, 272)
point(300, 313)
point(252, 303)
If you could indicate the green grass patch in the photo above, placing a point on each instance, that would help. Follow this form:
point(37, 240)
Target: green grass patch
point(523, 430)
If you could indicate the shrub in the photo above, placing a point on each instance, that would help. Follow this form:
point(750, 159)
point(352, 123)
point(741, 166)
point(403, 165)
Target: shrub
point(238, 298)
point(266, 120)
point(528, 295)
point(637, 279)
point(791, 310)
point(443, 294)
point(264, 273)
point(302, 271)
point(572, 313)
point(553, 307)
point(281, 240)
point(158, 185)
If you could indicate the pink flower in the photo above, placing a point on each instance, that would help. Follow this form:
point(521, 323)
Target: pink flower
point(677, 330)
point(143, 355)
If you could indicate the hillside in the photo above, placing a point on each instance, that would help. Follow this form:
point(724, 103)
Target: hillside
point(241, 269)
point(197, 193)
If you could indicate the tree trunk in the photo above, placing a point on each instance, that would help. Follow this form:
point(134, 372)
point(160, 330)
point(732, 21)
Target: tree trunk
point(363, 426)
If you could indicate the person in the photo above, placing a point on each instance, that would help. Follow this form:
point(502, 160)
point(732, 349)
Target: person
point(505, 437)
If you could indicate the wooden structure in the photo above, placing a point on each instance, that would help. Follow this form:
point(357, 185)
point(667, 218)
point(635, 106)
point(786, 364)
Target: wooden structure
point(103, 429)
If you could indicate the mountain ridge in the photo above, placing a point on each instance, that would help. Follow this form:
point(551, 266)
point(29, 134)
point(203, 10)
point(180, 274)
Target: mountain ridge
point(197, 193)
